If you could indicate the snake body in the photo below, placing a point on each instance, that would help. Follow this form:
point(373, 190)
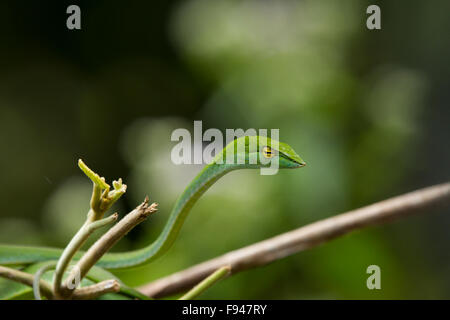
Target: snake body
point(246, 153)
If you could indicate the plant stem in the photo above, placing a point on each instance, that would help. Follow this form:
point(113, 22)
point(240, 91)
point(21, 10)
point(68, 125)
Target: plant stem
point(219, 274)
point(102, 245)
point(77, 241)
point(96, 290)
point(37, 279)
point(26, 279)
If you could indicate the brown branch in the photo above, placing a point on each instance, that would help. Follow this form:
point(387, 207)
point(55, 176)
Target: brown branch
point(26, 279)
point(306, 237)
point(84, 293)
point(102, 245)
point(96, 290)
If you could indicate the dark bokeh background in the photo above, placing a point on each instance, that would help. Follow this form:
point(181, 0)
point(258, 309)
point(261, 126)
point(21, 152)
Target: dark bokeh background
point(368, 111)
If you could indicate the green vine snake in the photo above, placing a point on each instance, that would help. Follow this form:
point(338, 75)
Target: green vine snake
point(252, 152)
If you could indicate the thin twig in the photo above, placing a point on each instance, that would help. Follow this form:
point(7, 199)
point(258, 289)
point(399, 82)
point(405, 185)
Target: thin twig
point(96, 290)
point(208, 282)
point(102, 245)
point(37, 278)
point(306, 237)
point(26, 279)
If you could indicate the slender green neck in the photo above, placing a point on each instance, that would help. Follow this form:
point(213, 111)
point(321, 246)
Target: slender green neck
point(204, 180)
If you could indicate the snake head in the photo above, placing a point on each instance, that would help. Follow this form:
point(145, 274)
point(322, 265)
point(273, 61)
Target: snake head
point(259, 152)
point(288, 158)
point(272, 152)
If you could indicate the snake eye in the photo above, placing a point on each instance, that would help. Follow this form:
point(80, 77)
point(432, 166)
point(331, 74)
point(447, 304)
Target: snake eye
point(268, 152)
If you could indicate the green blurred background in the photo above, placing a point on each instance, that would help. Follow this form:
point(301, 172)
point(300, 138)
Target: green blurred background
point(367, 110)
